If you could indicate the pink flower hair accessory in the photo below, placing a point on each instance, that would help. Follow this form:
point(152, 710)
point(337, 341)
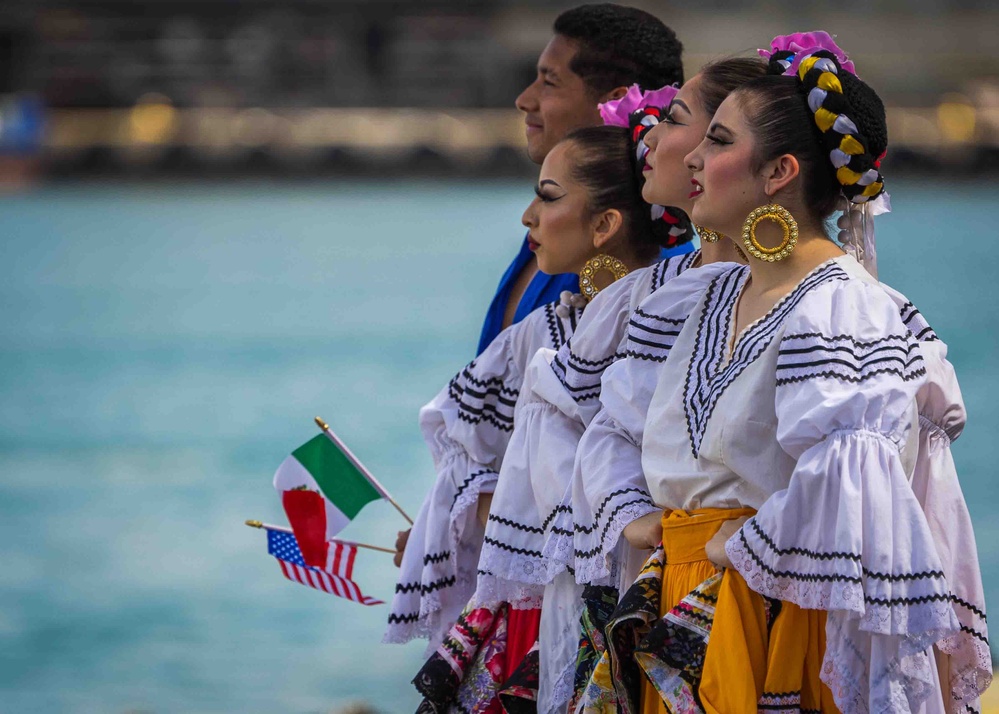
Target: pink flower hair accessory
point(616, 111)
point(802, 44)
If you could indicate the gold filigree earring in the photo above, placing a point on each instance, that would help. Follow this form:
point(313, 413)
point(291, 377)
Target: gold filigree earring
point(708, 236)
point(597, 264)
point(782, 217)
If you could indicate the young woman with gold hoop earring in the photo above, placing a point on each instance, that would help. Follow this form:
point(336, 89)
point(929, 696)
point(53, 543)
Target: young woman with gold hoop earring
point(589, 218)
point(528, 552)
point(800, 569)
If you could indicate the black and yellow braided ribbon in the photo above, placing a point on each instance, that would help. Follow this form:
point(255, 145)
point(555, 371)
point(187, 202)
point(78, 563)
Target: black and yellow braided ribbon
point(856, 168)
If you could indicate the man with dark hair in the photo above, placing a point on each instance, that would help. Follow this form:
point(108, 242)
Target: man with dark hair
point(598, 51)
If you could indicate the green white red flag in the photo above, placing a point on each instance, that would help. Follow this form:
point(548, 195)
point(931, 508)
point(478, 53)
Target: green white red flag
point(322, 490)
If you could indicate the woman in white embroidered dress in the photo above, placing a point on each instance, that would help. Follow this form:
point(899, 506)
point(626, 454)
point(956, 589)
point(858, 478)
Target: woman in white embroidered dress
point(588, 203)
point(528, 542)
point(780, 433)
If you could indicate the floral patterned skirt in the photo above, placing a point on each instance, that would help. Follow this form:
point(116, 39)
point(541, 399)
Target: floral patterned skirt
point(687, 638)
point(479, 661)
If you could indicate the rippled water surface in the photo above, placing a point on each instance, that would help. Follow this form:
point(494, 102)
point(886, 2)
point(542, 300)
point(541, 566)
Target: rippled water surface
point(163, 348)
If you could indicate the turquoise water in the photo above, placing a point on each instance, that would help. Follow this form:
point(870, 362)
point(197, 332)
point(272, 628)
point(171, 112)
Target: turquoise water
point(163, 348)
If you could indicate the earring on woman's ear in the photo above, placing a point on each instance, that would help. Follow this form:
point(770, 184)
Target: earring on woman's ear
point(707, 236)
point(782, 217)
point(594, 265)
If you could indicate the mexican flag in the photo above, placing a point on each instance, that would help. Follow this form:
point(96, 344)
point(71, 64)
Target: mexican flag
point(321, 490)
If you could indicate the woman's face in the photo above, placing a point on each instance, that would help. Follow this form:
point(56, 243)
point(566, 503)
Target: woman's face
point(667, 179)
point(560, 232)
point(727, 186)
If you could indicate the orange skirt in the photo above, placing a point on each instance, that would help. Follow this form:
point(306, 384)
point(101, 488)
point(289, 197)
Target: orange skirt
point(761, 653)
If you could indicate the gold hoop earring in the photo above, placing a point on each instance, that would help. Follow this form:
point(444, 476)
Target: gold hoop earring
point(782, 217)
point(597, 264)
point(708, 236)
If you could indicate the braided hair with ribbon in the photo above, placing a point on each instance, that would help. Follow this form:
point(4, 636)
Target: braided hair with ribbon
point(841, 154)
point(641, 111)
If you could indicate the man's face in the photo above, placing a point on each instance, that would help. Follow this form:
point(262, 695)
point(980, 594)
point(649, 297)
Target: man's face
point(557, 102)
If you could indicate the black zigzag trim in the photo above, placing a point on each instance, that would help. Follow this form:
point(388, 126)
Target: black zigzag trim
point(466, 483)
point(487, 418)
point(658, 318)
point(793, 575)
point(707, 378)
point(658, 275)
point(610, 521)
point(581, 365)
point(870, 600)
point(436, 558)
point(800, 551)
point(513, 524)
point(779, 701)
point(405, 588)
point(815, 555)
point(403, 619)
point(900, 340)
point(913, 319)
point(603, 505)
point(561, 508)
point(854, 362)
point(555, 329)
point(485, 383)
point(439, 584)
point(510, 548)
point(968, 606)
point(631, 354)
point(904, 376)
point(975, 633)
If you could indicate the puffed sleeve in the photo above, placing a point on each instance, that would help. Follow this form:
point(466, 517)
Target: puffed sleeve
point(467, 428)
point(942, 417)
point(528, 539)
point(609, 490)
point(848, 535)
point(527, 505)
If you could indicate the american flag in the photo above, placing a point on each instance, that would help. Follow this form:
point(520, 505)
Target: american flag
point(334, 579)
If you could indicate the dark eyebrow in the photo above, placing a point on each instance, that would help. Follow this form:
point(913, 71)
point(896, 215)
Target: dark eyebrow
point(720, 128)
point(680, 103)
point(546, 182)
point(547, 71)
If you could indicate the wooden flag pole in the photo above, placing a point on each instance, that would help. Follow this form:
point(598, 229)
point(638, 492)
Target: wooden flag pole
point(360, 467)
point(280, 529)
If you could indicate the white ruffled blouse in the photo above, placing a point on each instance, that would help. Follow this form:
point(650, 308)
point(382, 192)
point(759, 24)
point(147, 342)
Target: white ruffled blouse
point(559, 397)
point(808, 417)
point(467, 427)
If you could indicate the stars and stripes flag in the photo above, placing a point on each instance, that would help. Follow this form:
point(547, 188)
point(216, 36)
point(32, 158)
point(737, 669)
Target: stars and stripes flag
point(336, 578)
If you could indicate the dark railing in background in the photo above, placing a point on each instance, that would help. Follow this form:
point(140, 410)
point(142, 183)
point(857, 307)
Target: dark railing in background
point(344, 86)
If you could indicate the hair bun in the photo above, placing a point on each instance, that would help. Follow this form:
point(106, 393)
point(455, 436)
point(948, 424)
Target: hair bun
point(780, 62)
point(851, 118)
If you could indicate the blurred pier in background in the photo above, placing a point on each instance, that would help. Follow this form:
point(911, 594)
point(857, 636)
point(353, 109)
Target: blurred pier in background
point(151, 88)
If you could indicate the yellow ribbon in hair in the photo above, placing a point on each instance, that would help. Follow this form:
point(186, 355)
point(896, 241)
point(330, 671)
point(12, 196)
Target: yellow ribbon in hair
point(851, 146)
point(846, 176)
point(829, 82)
point(825, 119)
point(873, 189)
point(806, 65)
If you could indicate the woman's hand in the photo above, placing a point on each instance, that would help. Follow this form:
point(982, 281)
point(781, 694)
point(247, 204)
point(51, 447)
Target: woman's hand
point(400, 546)
point(482, 507)
point(715, 548)
point(646, 532)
